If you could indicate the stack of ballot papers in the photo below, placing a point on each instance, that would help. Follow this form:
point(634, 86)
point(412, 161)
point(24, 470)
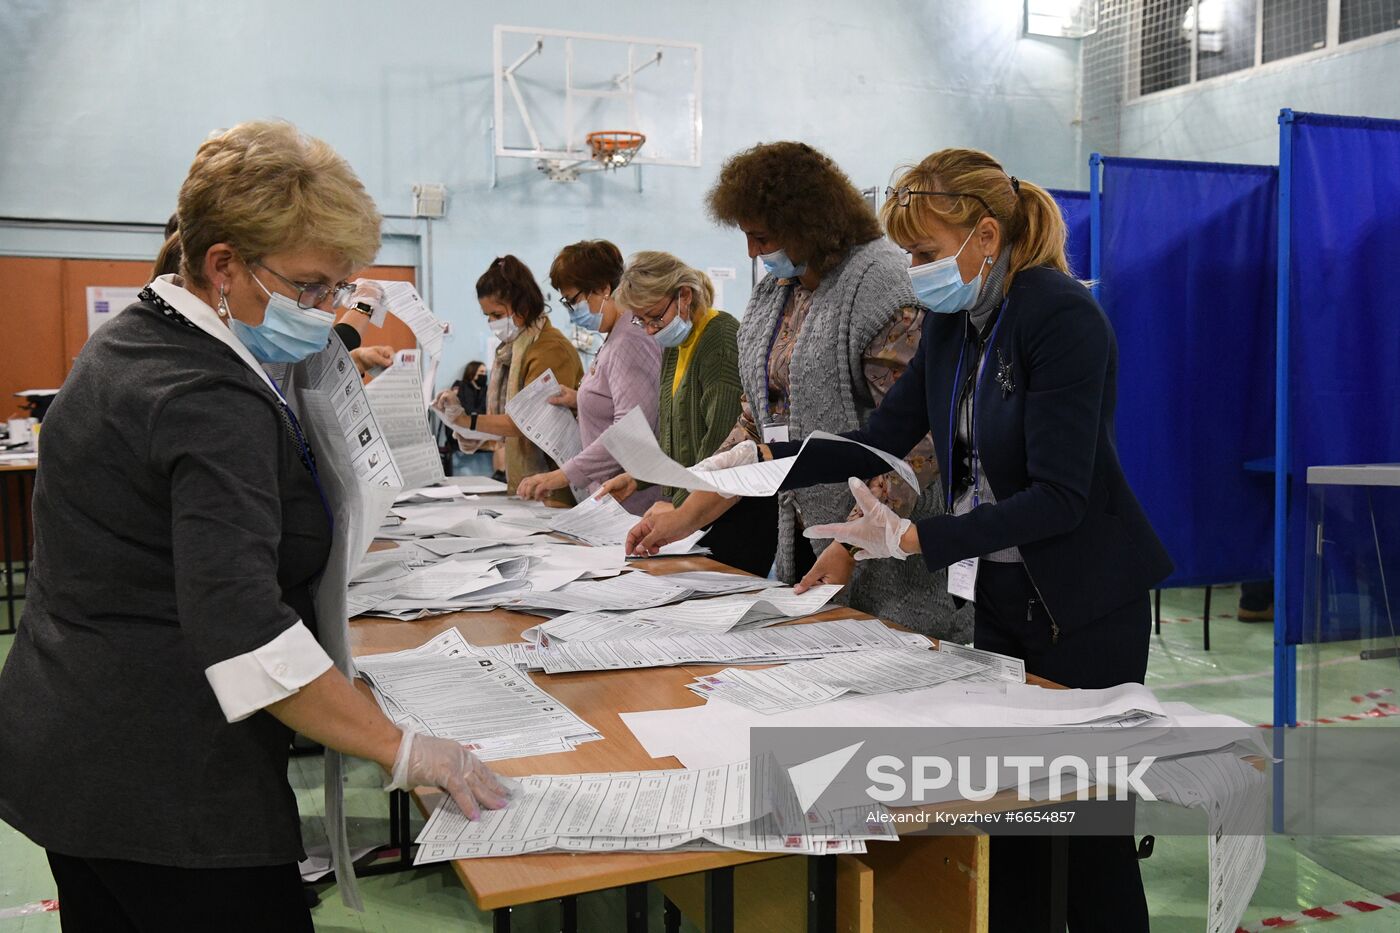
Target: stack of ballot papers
point(764, 646)
point(603, 522)
point(446, 688)
point(667, 606)
point(649, 811)
point(809, 683)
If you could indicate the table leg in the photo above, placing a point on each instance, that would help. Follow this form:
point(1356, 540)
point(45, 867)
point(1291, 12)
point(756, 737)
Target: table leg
point(568, 914)
point(500, 920)
point(24, 527)
point(821, 894)
point(9, 558)
point(670, 917)
point(405, 830)
point(1206, 620)
point(636, 907)
point(1059, 883)
point(719, 900)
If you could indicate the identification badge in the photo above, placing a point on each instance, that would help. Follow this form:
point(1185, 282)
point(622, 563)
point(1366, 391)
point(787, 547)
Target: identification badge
point(775, 433)
point(962, 579)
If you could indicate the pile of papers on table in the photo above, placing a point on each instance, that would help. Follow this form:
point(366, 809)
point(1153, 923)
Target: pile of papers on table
point(450, 689)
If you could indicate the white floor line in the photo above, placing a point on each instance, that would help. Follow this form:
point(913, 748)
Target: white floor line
point(1234, 678)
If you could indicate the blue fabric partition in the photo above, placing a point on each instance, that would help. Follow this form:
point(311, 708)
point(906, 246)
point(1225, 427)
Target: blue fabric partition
point(1343, 306)
point(1187, 265)
point(1075, 206)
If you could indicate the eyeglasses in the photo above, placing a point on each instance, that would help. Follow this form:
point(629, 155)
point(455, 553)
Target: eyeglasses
point(572, 302)
point(313, 294)
point(904, 194)
point(652, 325)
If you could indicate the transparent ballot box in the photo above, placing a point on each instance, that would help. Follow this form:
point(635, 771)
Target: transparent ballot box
point(1349, 668)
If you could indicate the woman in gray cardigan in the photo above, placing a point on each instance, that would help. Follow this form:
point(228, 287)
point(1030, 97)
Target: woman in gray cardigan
point(826, 333)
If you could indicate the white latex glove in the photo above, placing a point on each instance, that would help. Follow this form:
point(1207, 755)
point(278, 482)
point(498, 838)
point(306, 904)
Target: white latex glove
point(741, 454)
point(428, 761)
point(876, 533)
point(448, 404)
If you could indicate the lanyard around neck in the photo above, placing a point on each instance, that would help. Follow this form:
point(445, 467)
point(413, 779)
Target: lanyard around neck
point(957, 397)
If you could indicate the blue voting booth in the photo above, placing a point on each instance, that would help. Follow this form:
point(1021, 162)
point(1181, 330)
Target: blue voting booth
point(1183, 254)
point(1075, 206)
point(1338, 335)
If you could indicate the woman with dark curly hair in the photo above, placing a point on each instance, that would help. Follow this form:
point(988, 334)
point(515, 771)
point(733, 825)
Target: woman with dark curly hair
point(826, 334)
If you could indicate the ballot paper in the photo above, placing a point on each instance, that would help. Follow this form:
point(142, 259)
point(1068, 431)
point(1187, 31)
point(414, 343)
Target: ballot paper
point(468, 434)
point(685, 546)
point(408, 306)
point(763, 646)
point(720, 614)
point(634, 446)
point(597, 521)
point(621, 805)
point(1233, 794)
point(332, 374)
point(553, 428)
point(809, 683)
point(733, 806)
point(446, 689)
point(997, 668)
point(476, 484)
point(429, 494)
point(632, 591)
point(396, 397)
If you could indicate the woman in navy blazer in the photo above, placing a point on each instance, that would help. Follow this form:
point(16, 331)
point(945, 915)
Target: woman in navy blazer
point(1015, 377)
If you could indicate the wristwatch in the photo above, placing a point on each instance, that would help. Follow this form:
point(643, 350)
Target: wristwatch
point(473, 420)
point(365, 308)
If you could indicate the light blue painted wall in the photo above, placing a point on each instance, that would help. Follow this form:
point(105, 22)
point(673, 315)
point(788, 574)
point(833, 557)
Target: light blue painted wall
point(103, 103)
point(1235, 118)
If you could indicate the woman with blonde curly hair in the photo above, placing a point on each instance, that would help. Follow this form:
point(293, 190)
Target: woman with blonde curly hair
point(827, 332)
point(168, 648)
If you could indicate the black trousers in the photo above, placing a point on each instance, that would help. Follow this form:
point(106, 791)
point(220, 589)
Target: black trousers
point(746, 536)
point(115, 896)
point(1105, 887)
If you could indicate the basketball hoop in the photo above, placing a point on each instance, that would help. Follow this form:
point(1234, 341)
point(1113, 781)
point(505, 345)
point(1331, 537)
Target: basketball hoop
point(614, 149)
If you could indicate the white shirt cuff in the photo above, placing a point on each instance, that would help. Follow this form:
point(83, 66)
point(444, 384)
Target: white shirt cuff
point(248, 682)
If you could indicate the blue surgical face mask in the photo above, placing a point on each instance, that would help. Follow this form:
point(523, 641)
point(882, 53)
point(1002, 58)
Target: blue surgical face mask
point(940, 286)
point(674, 333)
point(287, 334)
point(778, 264)
point(582, 315)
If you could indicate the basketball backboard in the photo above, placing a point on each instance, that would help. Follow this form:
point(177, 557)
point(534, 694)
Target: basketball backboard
point(553, 87)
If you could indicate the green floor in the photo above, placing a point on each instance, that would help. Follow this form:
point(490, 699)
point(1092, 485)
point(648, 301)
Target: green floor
point(1235, 677)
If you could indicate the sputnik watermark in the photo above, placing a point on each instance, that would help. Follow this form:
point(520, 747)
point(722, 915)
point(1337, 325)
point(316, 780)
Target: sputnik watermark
point(1102, 778)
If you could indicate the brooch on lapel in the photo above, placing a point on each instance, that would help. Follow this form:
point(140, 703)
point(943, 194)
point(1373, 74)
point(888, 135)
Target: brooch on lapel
point(1004, 375)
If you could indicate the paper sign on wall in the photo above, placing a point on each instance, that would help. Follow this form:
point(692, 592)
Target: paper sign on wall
point(105, 302)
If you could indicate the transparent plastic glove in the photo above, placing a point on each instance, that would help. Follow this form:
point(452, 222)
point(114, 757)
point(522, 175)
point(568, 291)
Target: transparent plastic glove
point(741, 454)
point(428, 761)
point(876, 533)
point(448, 404)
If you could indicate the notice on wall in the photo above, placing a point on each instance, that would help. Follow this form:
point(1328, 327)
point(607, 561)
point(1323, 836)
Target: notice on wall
point(718, 276)
point(105, 302)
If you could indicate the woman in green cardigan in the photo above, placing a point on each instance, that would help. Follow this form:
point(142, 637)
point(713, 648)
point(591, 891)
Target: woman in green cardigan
point(699, 382)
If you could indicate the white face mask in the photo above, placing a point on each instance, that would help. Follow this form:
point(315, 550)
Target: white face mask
point(504, 328)
point(940, 286)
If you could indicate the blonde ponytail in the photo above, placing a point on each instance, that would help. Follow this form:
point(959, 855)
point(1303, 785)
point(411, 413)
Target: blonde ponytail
point(1040, 239)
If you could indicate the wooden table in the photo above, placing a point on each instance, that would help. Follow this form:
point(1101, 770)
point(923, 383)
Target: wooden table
point(598, 697)
point(22, 474)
